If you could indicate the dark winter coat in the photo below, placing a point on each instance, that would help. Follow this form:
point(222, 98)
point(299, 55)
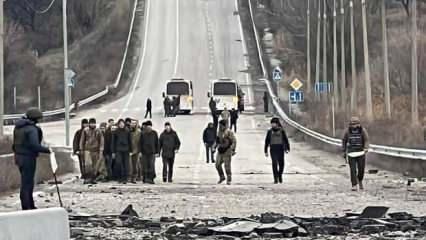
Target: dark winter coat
point(209, 135)
point(108, 141)
point(234, 116)
point(121, 141)
point(284, 146)
point(169, 143)
point(149, 142)
point(149, 104)
point(27, 139)
point(76, 141)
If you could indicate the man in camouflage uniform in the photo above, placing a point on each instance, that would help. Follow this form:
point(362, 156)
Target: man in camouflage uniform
point(135, 160)
point(226, 144)
point(92, 146)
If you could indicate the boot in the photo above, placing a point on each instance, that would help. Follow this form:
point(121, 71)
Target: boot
point(275, 180)
point(280, 178)
point(361, 186)
point(228, 182)
point(221, 180)
point(164, 179)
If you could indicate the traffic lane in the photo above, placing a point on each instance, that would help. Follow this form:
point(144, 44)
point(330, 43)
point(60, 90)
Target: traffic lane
point(194, 50)
point(158, 50)
point(159, 59)
point(315, 184)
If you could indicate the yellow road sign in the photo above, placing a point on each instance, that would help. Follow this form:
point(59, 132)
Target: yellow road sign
point(296, 84)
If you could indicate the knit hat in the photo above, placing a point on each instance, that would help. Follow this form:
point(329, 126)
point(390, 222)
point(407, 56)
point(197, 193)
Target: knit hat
point(148, 123)
point(92, 120)
point(84, 121)
point(355, 120)
point(275, 120)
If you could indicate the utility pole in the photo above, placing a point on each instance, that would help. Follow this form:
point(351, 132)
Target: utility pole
point(342, 55)
point(386, 60)
point(324, 56)
point(308, 46)
point(335, 84)
point(354, 97)
point(369, 101)
point(317, 63)
point(1, 68)
point(66, 90)
point(414, 73)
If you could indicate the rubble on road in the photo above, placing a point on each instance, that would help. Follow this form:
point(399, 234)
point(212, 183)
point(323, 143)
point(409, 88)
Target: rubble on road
point(129, 226)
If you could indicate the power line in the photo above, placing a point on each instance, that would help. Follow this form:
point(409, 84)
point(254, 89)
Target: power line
point(41, 11)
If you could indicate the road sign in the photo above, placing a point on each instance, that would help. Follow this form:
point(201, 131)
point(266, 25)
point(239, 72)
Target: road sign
point(70, 76)
point(322, 87)
point(295, 96)
point(277, 74)
point(296, 84)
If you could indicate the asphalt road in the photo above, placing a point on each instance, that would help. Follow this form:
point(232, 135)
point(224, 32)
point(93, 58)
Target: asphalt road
point(198, 40)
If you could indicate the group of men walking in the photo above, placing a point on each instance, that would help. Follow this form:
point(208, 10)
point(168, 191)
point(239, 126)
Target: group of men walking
point(124, 151)
point(171, 106)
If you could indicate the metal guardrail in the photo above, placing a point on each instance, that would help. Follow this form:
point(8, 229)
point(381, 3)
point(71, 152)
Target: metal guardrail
point(379, 149)
point(95, 96)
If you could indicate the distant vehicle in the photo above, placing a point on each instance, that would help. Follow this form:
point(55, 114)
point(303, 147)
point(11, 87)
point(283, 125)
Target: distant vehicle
point(226, 93)
point(183, 88)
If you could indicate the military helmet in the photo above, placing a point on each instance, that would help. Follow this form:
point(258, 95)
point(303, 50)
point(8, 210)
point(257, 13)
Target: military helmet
point(34, 114)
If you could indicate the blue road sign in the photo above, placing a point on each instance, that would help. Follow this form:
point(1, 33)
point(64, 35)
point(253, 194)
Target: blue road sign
point(295, 96)
point(277, 74)
point(322, 87)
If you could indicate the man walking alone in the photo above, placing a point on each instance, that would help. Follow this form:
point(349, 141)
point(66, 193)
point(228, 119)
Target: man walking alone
point(169, 146)
point(277, 143)
point(226, 145)
point(148, 108)
point(355, 144)
point(209, 139)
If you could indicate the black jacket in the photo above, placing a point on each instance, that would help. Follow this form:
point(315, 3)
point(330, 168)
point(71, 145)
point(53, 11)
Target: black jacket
point(108, 141)
point(149, 142)
point(209, 135)
point(121, 141)
point(76, 141)
point(169, 143)
point(149, 104)
point(285, 146)
point(234, 116)
point(27, 139)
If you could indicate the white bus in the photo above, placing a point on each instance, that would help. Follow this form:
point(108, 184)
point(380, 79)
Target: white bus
point(225, 92)
point(181, 87)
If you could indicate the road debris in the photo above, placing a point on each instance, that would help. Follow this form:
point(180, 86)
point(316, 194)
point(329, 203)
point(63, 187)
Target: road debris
point(128, 226)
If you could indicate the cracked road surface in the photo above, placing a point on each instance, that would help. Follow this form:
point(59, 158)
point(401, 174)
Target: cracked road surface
point(179, 38)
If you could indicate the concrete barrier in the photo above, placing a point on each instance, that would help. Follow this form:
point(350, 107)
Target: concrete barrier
point(41, 224)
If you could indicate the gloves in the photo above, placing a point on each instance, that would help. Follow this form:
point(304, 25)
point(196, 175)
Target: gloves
point(233, 153)
point(266, 155)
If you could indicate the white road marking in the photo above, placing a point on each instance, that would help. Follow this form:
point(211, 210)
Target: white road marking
point(138, 75)
point(246, 63)
point(177, 39)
